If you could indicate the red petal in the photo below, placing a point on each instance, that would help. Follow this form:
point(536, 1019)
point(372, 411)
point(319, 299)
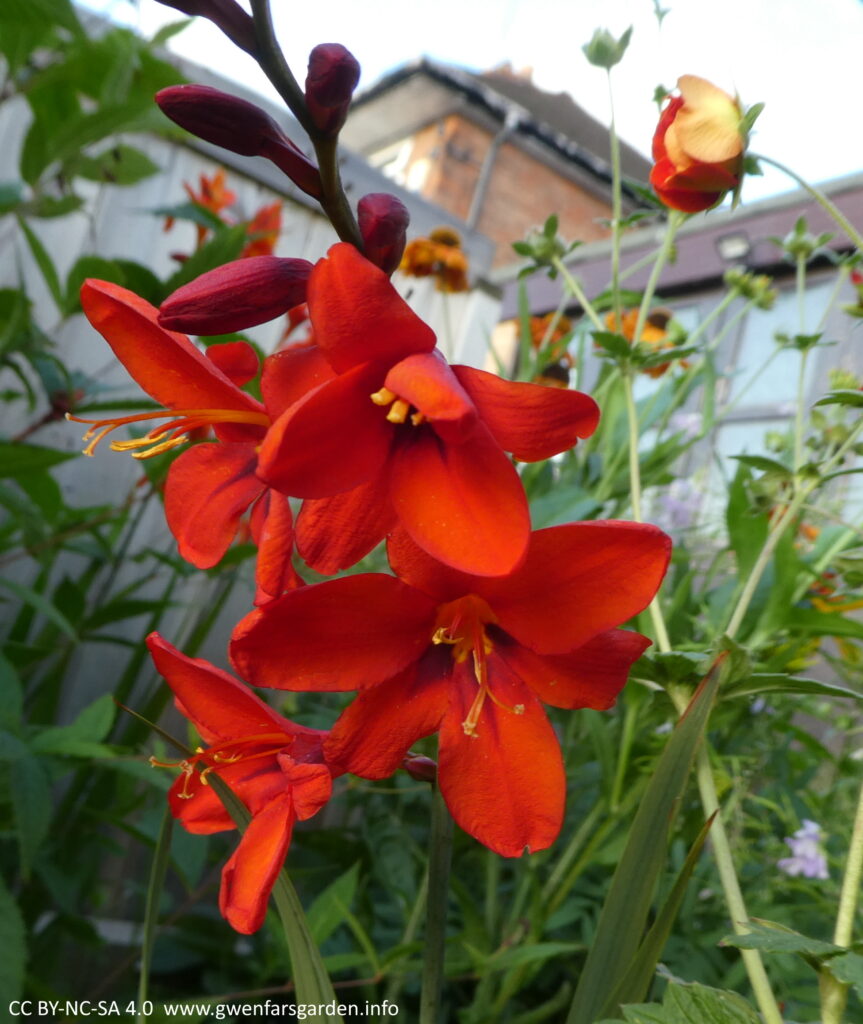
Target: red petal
point(255, 782)
point(463, 503)
point(219, 706)
point(330, 441)
point(165, 364)
point(417, 567)
point(579, 580)
point(531, 421)
point(426, 382)
point(237, 360)
point(505, 785)
point(372, 735)
point(290, 374)
point(358, 316)
point(339, 635)
point(311, 785)
point(250, 874)
point(208, 489)
point(335, 533)
point(590, 677)
point(274, 569)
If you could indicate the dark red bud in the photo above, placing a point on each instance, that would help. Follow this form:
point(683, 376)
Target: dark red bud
point(423, 769)
point(237, 25)
point(238, 126)
point(330, 83)
point(236, 296)
point(383, 221)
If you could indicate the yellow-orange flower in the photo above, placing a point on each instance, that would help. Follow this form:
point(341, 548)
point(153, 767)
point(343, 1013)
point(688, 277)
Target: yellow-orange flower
point(654, 334)
point(439, 256)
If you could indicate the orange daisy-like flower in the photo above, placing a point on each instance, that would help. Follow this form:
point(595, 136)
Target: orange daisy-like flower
point(439, 256)
point(473, 658)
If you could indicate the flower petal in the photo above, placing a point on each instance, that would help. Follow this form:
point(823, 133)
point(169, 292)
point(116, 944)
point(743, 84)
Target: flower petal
point(165, 364)
point(505, 785)
point(338, 635)
point(290, 374)
point(358, 316)
point(219, 706)
point(531, 421)
point(274, 568)
point(463, 503)
point(208, 489)
point(311, 785)
point(330, 441)
point(589, 677)
point(372, 735)
point(417, 567)
point(201, 811)
point(250, 874)
point(237, 360)
point(579, 580)
point(708, 125)
point(335, 533)
point(427, 382)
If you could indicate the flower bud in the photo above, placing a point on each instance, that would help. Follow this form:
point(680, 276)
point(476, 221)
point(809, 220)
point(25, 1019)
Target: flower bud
point(698, 146)
point(383, 221)
point(423, 769)
point(227, 15)
point(238, 126)
point(330, 83)
point(604, 51)
point(238, 295)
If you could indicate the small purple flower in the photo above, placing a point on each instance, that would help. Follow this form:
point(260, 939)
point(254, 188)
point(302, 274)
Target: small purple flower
point(808, 857)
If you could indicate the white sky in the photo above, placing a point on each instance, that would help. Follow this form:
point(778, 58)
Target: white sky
point(800, 57)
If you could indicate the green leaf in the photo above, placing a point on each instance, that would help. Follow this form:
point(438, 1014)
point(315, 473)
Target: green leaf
point(532, 953)
point(13, 942)
point(624, 913)
point(815, 623)
point(763, 463)
point(40, 604)
point(11, 695)
point(776, 938)
point(781, 683)
point(44, 262)
point(612, 343)
point(31, 803)
point(38, 12)
point(223, 247)
point(168, 31)
point(328, 910)
point(11, 194)
point(118, 165)
point(747, 531)
point(843, 397)
point(848, 968)
point(84, 267)
point(636, 982)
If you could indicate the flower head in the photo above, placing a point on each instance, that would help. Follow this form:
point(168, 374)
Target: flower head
point(439, 256)
point(807, 853)
point(473, 658)
point(398, 435)
point(274, 766)
point(698, 146)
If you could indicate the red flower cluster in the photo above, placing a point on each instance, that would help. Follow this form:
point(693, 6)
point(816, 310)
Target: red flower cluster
point(370, 430)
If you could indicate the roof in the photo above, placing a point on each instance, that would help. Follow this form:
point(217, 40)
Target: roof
point(502, 95)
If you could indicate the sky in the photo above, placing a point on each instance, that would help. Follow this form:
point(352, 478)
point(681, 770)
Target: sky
point(799, 57)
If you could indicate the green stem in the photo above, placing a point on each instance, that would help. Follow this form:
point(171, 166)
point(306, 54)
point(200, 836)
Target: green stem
point(834, 993)
point(396, 983)
point(826, 204)
point(616, 206)
point(801, 376)
point(440, 856)
point(151, 913)
point(675, 219)
point(578, 293)
point(334, 201)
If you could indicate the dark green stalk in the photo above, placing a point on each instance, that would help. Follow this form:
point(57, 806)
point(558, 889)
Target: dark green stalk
point(440, 856)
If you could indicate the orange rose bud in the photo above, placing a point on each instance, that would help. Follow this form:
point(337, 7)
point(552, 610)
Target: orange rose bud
point(330, 83)
point(227, 15)
point(383, 221)
point(238, 295)
point(698, 146)
point(238, 126)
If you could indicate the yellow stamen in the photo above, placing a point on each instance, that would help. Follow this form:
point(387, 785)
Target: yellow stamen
point(383, 397)
point(398, 411)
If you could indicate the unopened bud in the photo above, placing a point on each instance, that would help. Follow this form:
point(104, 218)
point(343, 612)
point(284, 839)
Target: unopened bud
point(238, 295)
point(383, 221)
point(330, 83)
point(238, 126)
point(423, 769)
point(227, 15)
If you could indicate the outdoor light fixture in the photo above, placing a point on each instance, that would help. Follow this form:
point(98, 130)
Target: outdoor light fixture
point(735, 246)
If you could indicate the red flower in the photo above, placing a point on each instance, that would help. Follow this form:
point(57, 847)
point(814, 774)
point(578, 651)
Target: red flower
point(263, 231)
point(273, 765)
point(698, 146)
point(399, 435)
point(210, 486)
point(471, 657)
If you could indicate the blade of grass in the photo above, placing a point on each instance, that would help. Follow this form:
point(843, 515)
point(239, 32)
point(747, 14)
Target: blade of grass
point(151, 913)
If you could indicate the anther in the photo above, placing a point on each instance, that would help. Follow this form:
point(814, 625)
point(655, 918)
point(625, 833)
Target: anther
point(383, 397)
